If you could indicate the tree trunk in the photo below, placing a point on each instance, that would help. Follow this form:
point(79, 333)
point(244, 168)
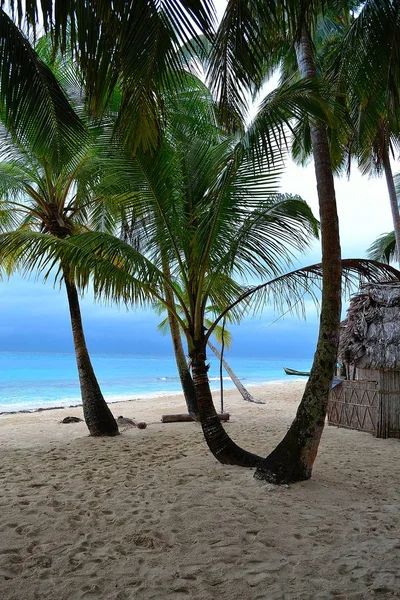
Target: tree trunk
point(240, 387)
point(394, 205)
point(293, 459)
point(184, 374)
point(97, 414)
point(218, 441)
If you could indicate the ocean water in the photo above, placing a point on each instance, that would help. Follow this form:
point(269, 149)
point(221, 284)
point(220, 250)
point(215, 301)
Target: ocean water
point(39, 380)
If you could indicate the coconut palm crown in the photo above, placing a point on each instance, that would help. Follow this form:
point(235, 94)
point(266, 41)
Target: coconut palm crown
point(211, 221)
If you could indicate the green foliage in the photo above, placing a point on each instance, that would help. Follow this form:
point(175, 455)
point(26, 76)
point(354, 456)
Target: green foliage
point(206, 204)
point(128, 44)
point(33, 106)
point(383, 248)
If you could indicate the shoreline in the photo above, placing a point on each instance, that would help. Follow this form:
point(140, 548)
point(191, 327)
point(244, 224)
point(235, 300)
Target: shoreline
point(150, 396)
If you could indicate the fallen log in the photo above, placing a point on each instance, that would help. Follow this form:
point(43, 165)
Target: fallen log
point(185, 417)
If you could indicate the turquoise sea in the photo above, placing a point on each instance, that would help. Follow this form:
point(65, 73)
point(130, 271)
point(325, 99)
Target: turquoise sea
point(42, 380)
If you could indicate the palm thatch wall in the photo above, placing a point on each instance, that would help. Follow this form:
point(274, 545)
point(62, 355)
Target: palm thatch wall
point(370, 350)
point(370, 337)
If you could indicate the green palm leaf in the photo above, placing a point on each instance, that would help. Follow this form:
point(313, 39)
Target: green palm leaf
point(34, 106)
point(131, 44)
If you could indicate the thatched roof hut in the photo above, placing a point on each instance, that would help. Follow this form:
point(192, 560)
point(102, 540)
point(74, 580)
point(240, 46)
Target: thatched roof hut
point(370, 350)
point(370, 336)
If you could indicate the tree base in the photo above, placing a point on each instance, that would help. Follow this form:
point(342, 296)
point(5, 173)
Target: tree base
point(283, 466)
point(104, 428)
point(279, 477)
point(104, 434)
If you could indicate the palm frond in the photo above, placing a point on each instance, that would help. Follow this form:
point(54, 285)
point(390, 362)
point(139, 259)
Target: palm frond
point(132, 44)
point(383, 248)
point(288, 292)
point(34, 107)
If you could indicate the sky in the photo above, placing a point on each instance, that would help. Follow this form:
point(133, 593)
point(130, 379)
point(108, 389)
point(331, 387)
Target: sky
point(34, 316)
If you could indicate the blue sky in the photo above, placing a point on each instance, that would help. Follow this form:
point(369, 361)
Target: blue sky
point(35, 316)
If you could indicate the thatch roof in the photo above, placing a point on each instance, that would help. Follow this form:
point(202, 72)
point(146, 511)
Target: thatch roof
point(370, 335)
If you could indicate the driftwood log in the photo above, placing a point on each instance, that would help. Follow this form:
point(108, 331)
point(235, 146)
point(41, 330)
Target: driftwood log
point(185, 417)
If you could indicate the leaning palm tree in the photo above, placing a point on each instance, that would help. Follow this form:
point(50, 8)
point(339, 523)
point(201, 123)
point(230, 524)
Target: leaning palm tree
point(244, 392)
point(209, 210)
point(234, 67)
point(36, 196)
point(221, 334)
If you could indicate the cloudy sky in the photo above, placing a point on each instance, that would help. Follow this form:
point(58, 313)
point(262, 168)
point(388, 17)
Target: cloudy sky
point(34, 316)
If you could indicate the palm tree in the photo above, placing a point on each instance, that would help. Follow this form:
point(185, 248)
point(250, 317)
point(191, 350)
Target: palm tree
point(183, 370)
point(221, 334)
point(43, 161)
point(209, 210)
point(235, 66)
point(36, 196)
point(383, 248)
point(123, 273)
point(126, 44)
point(371, 52)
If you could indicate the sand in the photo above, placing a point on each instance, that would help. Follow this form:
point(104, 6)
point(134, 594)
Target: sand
point(152, 515)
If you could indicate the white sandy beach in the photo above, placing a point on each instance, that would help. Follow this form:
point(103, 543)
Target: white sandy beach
point(151, 515)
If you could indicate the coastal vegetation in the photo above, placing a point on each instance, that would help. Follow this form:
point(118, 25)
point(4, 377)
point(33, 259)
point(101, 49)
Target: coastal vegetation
point(193, 184)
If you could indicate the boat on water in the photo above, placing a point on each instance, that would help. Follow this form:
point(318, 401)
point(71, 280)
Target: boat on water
point(293, 372)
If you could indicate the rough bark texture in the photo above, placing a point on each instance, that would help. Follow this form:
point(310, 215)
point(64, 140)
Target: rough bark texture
point(184, 374)
point(97, 414)
point(218, 441)
point(293, 459)
point(240, 387)
point(394, 205)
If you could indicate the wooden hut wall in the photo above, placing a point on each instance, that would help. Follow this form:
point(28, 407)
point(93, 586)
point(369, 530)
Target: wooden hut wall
point(355, 405)
point(390, 404)
point(368, 375)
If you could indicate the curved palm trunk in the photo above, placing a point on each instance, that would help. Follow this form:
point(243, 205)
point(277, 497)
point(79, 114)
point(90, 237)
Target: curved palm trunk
point(184, 374)
point(98, 416)
point(240, 387)
point(218, 441)
point(293, 459)
point(394, 205)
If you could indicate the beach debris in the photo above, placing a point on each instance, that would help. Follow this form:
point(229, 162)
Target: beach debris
point(71, 420)
point(125, 421)
point(130, 422)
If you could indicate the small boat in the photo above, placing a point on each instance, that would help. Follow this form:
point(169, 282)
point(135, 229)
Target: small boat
point(293, 372)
